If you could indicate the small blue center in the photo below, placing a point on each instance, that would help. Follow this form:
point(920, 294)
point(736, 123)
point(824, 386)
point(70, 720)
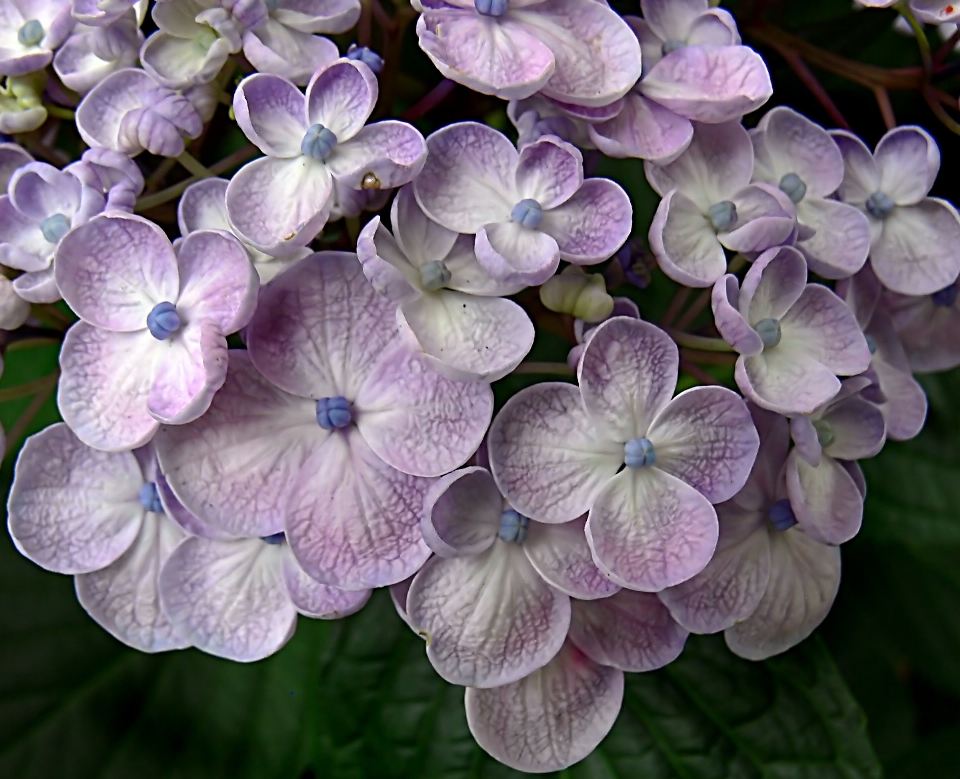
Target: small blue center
point(334, 413)
point(55, 227)
point(318, 142)
point(276, 538)
point(367, 56)
point(491, 7)
point(669, 47)
point(639, 453)
point(722, 215)
point(879, 205)
point(781, 515)
point(31, 33)
point(871, 344)
point(793, 187)
point(946, 297)
point(769, 332)
point(513, 527)
point(150, 498)
point(527, 212)
point(163, 321)
point(434, 275)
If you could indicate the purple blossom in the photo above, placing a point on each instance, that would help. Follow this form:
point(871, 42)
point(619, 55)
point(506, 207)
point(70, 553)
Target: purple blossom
point(130, 112)
point(928, 327)
point(557, 451)
point(769, 585)
point(528, 209)
point(446, 299)
point(31, 30)
point(97, 515)
point(279, 203)
point(310, 432)
point(151, 345)
point(42, 206)
point(794, 338)
point(583, 331)
point(915, 239)
point(90, 54)
point(576, 51)
point(98, 13)
point(804, 161)
point(111, 173)
point(536, 116)
point(709, 204)
point(694, 70)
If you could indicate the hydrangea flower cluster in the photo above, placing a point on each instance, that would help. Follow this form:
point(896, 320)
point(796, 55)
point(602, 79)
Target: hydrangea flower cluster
point(260, 423)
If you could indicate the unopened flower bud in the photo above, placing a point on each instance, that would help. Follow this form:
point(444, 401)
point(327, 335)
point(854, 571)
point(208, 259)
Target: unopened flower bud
point(579, 294)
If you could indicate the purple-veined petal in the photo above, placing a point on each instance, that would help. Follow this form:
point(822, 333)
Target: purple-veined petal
point(398, 594)
point(840, 246)
point(905, 409)
point(461, 513)
point(643, 129)
point(785, 383)
point(773, 284)
point(203, 206)
point(271, 111)
point(858, 427)
point(820, 326)
point(861, 178)
point(684, 242)
point(341, 97)
point(825, 499)
point(272, 47)
point(592, 224)
point(514, 253)
point(806, 440)
point(561, 555)
point(384, 263)
point(549, 171)
point(182, 515)
point(383, 155)
point(908, 161)
point(791, 143)
point(766, 218)
point(316, 600)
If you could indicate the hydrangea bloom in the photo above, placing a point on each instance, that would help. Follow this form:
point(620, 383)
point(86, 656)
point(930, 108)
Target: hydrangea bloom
point(151, 345)
point(804, 161)
point(528, 209)
point(21, 104)
point(111, 173)
point(928, 327)
point(915, 246)
point(536, 116)
point(98, 13)
point(130, 112)
point(43, 205)
point(769, 584)
point(279, 203)
point(90, 54)
point(98, 515)
point(319, 427)
point(445, 298)
point(30, 31)
point(694, 70)
point(556, 452)
point(583, 331)
point(577, 51)
point(794, 338)
point(709, 203)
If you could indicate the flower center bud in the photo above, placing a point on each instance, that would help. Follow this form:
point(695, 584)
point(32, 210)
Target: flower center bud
point(722, 215)
point(318, 142)
point(275, 538)
point(639, 453)
point(793, 187)
point(434, 275)
point(370, 181)
point(513, 527)
point(781, 515)
point(527, 212)
point(769, 332)
point(365, 55)
point(55, 227)
point(334, 413)
point(946, 297)
point(871, 344)
point(825, 434)
point(163, 321)
point(491, 7)
point(31, 33)
point(669, 47)
point(879, 205)
point(150, 498)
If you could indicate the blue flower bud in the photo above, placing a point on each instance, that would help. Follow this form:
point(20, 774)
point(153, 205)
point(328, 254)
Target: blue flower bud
point(434, 275)
point(163, 321)
point(55, 227)
point(334, 413)
point(367, 56)
point(150, 498)
point(825, 433)
point(769, 332)
point(491, 7)
point(639, 453)
point(879, 205)
point(781, 515)
point(31, 33)
point(669, 47)
point(513, 527)
point(722, 215)
point(871, 344)
point(276, 538)
point(793, 187)
point(318, 142)
point(527, 212)
point(947, 296)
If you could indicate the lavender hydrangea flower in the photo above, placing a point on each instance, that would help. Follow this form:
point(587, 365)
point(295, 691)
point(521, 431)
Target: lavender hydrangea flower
point(794, 338)
point(130, 112)
point(557, 451)
point(203, 206)
point(279, 203)
point(90, 54)
point(898, 395)
point(98, 516)
point(577, 51)
point(113, 174)
point(804, 161)
point(915, 244)
point(824, 483)
point(239, 598)
point(98, 13)
point(694, 70)
point(445, 298)
point(30, 31)
point(928, 327)
point(536, 116)
point(151, 345)
point(320, 425)
point(528, 209)
point(284, 43)
point(42, 207)
point(21, 103)
point(769, 584)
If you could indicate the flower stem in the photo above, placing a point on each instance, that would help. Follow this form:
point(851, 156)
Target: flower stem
point(701, 342)
point(24, 390)
point(173, 192)
point(19, 428)
point(193, 165)
point(59, 112)
point(926, 56)
point(545, 369)
point(886, 108)
point(429, 101)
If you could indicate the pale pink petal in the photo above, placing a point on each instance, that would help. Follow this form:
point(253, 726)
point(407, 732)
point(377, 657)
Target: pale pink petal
point(643, 129)
point(825, 499)
point(203, 206)
point(383, 155)
point(549, 171)
point(341, 97)
point(561, 555)
point(514, 253)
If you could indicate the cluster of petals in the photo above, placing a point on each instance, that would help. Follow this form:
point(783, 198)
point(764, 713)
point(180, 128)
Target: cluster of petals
point(927, 326)
point(30, 31)
point(91, 53)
